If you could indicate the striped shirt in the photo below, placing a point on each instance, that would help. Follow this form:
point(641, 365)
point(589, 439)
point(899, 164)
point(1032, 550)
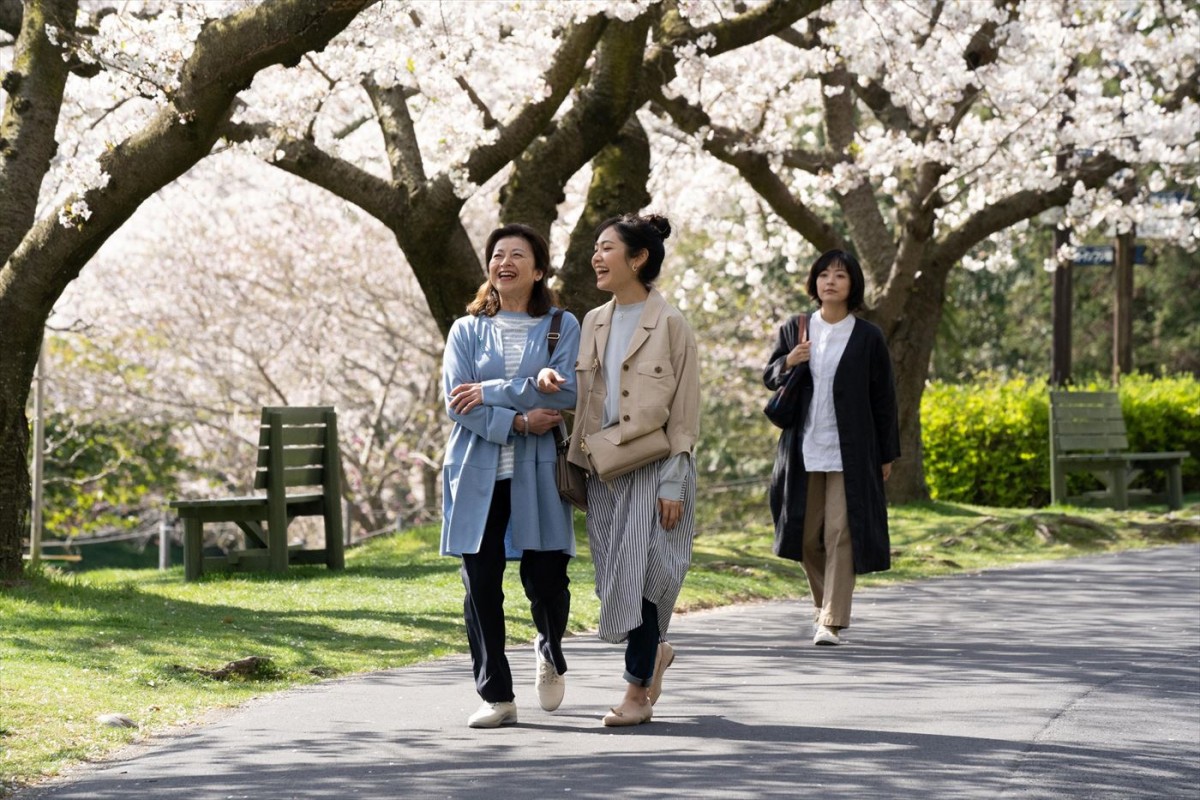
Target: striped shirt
point(514, 327)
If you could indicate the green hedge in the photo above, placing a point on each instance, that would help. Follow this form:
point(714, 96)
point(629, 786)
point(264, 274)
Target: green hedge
point(988, 442)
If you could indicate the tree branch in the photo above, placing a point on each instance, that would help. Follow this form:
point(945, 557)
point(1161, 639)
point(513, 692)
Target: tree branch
point(304, 159)
point(755, 167)
point(1023, 205)
point(399, 135)
point(875, 246)
point(766, 19)
point(611, 96)
point(577, 45)
point(228, 53)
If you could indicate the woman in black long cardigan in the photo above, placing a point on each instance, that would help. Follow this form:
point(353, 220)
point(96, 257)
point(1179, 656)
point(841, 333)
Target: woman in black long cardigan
point(827, 495)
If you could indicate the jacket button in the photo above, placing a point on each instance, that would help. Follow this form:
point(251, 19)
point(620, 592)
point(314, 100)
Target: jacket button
point(625, 418)
point(658, 369)
point(625, 367)
point(576, 365)
point(624, 393)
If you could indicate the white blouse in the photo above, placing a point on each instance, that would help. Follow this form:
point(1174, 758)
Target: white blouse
point(822, 446)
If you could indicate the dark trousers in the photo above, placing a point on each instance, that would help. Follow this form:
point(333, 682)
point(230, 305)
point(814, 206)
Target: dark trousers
point(544, 576)
point(641, 648)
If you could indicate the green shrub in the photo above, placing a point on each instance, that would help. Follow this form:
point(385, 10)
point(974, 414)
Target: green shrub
point(988, 442)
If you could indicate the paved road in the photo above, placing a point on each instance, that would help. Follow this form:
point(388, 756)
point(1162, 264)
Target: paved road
point(1071, 679)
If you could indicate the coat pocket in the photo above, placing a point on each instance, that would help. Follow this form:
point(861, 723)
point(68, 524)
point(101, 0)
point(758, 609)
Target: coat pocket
point(655, 383)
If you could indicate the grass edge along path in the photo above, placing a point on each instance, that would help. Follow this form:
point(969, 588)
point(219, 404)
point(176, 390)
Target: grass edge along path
point(148, 646)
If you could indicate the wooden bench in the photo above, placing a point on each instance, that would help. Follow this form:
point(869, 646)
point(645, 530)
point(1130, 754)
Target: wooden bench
point(297, 446)
point(1087, 434)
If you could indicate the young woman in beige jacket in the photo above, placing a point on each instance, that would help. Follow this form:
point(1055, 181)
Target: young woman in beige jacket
point(638, 372)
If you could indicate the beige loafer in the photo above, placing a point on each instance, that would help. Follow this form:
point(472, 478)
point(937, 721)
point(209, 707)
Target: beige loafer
point(666, 657)
point(619, 719)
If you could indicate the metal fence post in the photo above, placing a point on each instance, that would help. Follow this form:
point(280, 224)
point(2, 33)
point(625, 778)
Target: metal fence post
point(164, 544)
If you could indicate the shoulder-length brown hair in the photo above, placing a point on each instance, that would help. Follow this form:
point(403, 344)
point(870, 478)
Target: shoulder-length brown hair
point(487, 299)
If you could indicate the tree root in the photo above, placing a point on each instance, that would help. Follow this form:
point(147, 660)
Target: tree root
point(250, 667)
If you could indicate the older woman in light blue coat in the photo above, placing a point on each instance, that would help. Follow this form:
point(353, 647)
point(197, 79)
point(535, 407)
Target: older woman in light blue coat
point(505, 390)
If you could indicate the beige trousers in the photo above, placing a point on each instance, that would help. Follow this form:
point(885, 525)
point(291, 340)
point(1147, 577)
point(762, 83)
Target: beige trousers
point(827, 549)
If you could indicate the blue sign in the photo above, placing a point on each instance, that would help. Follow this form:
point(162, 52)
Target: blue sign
point(1104, 255)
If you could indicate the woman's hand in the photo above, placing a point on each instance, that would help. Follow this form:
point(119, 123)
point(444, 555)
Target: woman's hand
point(542, 420)
point(466, 397)
point(800, 353)
point(549, 380)
point(669, 512)
point(887, 471)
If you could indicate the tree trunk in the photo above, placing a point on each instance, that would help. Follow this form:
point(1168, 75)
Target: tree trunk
point(444, 261)
point(620, 173)
point(911, 339)
point(18, 359)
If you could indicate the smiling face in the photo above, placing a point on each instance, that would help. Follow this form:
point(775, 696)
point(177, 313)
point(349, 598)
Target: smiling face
point(512, 270)
point(616, 272)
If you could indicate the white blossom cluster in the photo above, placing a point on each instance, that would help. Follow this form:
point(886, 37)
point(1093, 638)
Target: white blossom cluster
point(139, 51)
point(500, 49)
point(1124, 56)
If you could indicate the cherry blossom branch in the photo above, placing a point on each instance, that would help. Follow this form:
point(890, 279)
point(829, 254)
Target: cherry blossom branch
point(755, 167)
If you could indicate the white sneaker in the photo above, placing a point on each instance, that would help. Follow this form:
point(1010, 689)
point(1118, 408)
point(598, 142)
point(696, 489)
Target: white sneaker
point(826, 635)
point(493, 715)
point(550, 685)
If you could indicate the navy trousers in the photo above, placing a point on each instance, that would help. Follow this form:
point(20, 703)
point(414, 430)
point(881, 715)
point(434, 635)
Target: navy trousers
point(544, 577)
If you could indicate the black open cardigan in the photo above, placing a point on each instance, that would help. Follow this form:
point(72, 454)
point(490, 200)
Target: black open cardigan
point(864, 402)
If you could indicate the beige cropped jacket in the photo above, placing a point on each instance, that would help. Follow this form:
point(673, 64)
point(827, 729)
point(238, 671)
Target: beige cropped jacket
point(659, 383)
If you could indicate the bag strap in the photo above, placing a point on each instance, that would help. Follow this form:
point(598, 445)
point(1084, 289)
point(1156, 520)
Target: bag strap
point(560, 432)
point(801, 327)
point(553, 336)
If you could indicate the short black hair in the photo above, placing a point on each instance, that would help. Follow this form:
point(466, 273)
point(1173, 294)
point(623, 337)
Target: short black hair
point(858, 282)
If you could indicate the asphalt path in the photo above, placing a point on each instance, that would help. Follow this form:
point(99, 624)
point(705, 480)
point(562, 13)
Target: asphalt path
point(1067, 679)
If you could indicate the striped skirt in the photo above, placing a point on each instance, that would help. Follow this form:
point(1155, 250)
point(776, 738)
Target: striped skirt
point(634, 556)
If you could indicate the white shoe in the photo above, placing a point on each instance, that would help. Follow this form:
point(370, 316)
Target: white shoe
point(493, 715)
point(826, 635)
point(550, 685)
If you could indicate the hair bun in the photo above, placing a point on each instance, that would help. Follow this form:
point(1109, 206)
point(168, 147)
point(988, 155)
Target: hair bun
point(660, 224)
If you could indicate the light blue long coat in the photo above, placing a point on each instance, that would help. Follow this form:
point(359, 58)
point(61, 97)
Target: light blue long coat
point(540, 519)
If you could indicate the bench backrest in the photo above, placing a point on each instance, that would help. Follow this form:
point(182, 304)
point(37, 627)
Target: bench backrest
point(297, 446)
point(1086, 422)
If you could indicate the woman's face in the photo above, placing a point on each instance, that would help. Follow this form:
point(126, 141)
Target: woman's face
point(512, 269)
point(833, 285)
point(614, 270)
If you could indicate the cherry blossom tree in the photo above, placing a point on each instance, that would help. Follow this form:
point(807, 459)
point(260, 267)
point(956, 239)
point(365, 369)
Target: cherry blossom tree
point(159, 81)
point(223, 347)
point(474, 88)
point(921, 136)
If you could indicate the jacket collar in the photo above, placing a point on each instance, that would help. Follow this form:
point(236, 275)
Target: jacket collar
point(652, 314)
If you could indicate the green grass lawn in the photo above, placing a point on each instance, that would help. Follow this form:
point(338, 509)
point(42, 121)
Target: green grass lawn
point(75, 646)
